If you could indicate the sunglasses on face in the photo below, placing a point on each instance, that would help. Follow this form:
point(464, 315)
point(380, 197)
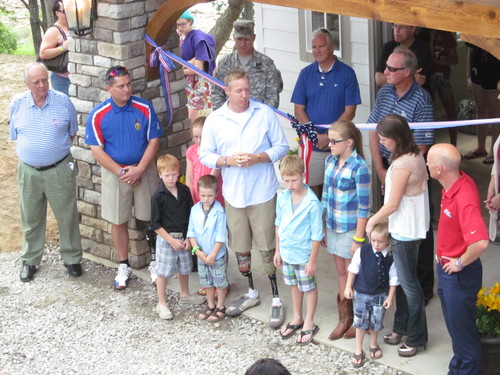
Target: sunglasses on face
point(393, 69)
point(115, 71)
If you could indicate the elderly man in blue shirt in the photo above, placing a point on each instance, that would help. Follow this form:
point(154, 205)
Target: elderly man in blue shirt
point(43, 124)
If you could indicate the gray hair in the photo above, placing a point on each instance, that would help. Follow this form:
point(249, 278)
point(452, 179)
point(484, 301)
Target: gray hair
point(323, 31)
point(31, 65)
point(409, 59)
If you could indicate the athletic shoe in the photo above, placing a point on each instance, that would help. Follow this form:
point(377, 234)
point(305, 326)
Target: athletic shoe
point(123, 276)
point(152, 271)
point(164, 312)
point(276, 316)
point(244, 303)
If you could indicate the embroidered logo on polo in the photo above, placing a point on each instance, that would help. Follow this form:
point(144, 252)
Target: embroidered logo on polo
point(447, 213)
point(137, 125)
point(56, 122)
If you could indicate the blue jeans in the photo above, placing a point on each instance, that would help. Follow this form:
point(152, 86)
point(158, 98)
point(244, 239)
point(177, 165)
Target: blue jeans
point(60, 83)
point(410, 317)
point(458, 294)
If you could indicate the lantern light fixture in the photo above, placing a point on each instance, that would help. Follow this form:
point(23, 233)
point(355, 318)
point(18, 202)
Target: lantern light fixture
point(80, 15)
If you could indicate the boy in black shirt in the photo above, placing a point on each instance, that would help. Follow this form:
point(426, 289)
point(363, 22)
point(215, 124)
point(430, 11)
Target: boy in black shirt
point(170, 207)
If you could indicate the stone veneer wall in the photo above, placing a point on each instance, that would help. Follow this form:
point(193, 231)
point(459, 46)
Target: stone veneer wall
point(117, 40)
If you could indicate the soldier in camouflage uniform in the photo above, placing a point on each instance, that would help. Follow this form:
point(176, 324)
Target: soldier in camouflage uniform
point(265, 80)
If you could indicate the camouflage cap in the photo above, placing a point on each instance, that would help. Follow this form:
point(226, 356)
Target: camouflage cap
point(243, 29)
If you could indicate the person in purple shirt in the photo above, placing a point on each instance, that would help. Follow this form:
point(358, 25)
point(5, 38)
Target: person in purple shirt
point(198, 48)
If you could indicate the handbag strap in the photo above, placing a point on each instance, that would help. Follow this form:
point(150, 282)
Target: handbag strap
point(61, 31)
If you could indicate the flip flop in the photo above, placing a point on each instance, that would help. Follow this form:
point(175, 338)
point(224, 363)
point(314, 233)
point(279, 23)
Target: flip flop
point(311, 332)
point(375, 350)
point(293, 327)
point(360, 358)
point(489, 160)
point(218, 315)
point(474, 155)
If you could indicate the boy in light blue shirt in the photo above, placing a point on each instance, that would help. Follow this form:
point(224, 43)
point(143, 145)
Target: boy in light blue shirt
point(299, 230)
point(207, 235)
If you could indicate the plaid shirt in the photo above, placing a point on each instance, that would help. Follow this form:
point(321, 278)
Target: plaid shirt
point(346, 192)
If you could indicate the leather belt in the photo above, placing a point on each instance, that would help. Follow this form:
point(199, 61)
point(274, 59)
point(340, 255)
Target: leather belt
point(44, 168)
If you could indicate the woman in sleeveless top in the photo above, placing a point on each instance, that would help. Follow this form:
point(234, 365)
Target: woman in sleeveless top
point(53, 45)
point(406, 207)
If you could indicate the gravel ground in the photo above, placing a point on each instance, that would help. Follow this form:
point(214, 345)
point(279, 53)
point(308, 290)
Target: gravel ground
point(61, 325)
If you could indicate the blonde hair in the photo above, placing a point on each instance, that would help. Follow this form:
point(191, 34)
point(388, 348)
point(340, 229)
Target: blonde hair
point(348, 130)
point(291, 165)
point(198, 123)
point(382, 229)
point(167, 163)
point(234, 75)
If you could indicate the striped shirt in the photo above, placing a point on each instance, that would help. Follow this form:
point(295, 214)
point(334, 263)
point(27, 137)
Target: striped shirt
point(415, 106)
point(42, 135)
point(346, 192)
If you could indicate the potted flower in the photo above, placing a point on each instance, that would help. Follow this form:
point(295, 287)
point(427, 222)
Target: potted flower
point(488, 325)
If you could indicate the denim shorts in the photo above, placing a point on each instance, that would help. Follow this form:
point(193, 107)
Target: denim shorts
point(369, 311)
point(168, 261)
point(295, 274)
point(214, 275)
point(339, 243)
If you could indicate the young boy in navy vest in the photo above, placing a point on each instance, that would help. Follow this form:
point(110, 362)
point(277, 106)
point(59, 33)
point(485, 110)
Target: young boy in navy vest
point(373, 274)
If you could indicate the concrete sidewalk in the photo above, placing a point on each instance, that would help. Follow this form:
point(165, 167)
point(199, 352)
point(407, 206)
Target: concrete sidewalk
point(435, 359)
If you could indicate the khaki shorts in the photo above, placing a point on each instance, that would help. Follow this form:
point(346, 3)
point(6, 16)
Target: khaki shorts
point(317, 167)
point(117, 197)
point(252, 226)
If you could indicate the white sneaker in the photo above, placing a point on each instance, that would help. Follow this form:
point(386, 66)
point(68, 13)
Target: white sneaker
point(276, 316)
point(243, 304)
point(123, 276)
point(152, 271)
point(164, 312)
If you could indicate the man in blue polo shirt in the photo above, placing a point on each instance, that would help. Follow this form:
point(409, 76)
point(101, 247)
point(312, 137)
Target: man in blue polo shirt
point(326, 91)
point(405, 97)
point(43, 124)
point(123, 133)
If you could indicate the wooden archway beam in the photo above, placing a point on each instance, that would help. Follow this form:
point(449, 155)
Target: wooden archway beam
point(479, 19)
point(160, 25)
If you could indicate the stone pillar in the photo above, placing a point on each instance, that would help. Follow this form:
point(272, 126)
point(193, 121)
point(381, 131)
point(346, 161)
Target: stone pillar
point(117, 40)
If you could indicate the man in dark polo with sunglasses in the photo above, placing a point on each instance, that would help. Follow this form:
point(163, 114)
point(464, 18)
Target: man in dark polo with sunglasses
point(123, 133)
point(402, 95)
point(43, 124)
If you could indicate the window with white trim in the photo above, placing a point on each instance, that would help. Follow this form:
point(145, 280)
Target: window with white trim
point(310, 21)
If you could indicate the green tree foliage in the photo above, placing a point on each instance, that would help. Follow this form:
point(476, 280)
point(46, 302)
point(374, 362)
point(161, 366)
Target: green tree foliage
point(8, 40)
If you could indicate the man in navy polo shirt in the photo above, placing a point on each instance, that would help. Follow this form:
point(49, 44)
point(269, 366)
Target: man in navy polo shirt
point(326, 91)
point(43, 124)
point(123, 133)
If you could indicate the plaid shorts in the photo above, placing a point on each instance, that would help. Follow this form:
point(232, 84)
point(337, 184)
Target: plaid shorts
point(168, 261)
point(215, 275)
point(295, 274)
point(368, 311)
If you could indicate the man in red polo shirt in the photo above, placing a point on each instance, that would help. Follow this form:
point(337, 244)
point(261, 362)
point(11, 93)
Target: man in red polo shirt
point(461, 239)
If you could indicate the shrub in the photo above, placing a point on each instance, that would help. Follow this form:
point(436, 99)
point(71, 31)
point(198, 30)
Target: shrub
point(8, 40)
